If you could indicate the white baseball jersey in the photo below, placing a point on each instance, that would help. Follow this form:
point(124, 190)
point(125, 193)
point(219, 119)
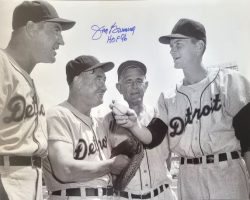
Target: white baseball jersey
point(199, 119)
point(153, 171)
point(22, 130)
point(88, 138)
point(22, 116)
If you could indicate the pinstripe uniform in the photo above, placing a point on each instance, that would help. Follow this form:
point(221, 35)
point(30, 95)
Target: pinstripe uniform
point(22, 131)
point(199, 119)
point(153, 176)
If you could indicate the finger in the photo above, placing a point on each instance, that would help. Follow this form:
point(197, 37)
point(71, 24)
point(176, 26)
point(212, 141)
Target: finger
point(121, 117)
point(131, 112)
point(122, 121)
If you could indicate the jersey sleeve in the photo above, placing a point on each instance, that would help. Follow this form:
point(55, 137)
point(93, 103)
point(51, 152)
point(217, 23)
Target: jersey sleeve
point(106, 122)
point(57, 126)
point(4, 82)
point(162, 112)
point(236, 91)
point(109, 126)
point(237, 98)
point(158, 125)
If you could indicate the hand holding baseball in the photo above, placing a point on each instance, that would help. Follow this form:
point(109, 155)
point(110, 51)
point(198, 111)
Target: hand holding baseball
point(119, 107)
point(123, 115)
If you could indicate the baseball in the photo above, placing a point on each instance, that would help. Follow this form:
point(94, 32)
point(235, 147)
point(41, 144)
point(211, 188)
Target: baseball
point(120, 107)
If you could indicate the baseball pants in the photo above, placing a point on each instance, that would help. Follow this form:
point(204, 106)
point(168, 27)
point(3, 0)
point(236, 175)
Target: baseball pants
point(214, 181)
point(20, 183)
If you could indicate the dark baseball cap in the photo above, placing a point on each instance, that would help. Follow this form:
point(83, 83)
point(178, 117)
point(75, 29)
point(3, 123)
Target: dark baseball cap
point(131, 64)
point(186, 28)
point(38, 11)
point(85, 63)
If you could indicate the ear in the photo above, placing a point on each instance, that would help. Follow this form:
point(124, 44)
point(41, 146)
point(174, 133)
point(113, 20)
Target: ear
point(31, 28)
point(118, 87)
point(200, 46)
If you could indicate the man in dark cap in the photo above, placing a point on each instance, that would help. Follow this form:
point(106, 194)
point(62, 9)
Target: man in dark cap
point(23, 137)
point(79, 164)
point(198, 115)
point(152, 178)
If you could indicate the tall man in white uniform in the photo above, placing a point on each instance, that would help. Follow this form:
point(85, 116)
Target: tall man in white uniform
point(152, 179)
point(198, 115)
point(23, 136)
point(78, 164)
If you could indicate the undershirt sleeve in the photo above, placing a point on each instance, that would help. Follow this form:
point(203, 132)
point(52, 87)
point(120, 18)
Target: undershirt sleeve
point(158, 130)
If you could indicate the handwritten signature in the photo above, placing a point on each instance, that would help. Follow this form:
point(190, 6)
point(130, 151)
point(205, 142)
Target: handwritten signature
point(114, 31)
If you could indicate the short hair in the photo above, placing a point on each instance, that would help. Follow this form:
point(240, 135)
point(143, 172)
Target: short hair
point(194, 40)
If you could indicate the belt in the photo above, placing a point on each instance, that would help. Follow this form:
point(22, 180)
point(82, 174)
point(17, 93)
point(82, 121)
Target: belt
point(148, 195)
point(88, 191)
point(21, 161)
point(210, 158)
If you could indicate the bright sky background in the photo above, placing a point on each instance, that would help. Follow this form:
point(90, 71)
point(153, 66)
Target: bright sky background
point(227, 23)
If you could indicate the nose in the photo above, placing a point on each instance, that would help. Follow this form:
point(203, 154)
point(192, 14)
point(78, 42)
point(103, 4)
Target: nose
point(134, 84)
point(172, 51)
point(102, 85)
point(104, 88)
point(60, 39)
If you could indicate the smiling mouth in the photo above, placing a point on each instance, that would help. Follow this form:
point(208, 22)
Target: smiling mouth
point(135, 94)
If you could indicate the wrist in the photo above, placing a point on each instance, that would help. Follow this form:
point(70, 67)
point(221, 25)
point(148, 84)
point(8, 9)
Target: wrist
point(110, 164)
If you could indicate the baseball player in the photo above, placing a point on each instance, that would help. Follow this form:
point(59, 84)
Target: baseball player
point(23, 136)
point(198, 115)
point(151, 180)
point(78, 164)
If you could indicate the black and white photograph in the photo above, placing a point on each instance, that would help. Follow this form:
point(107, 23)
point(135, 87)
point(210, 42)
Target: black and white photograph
point(116, 100)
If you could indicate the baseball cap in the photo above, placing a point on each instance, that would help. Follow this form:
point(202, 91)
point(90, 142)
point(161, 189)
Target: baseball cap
point(85, 63)
point(130, 64)
point(38, 11)
point(185, 28)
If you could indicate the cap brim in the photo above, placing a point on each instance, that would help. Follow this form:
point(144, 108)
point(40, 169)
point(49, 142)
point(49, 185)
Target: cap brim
point(106, 66)
point(65, 23)
point(166, 39)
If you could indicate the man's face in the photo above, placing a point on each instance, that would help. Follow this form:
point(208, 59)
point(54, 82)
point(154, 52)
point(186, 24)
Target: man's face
point(47, 40)
point(183, 52)
point(132, 85)
point(92, 87)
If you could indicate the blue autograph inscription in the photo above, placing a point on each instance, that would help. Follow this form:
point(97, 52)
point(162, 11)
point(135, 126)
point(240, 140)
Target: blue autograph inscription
point(113, 33)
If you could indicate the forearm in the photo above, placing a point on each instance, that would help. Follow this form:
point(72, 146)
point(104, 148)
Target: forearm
point(82, 171)
point(142, 133)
